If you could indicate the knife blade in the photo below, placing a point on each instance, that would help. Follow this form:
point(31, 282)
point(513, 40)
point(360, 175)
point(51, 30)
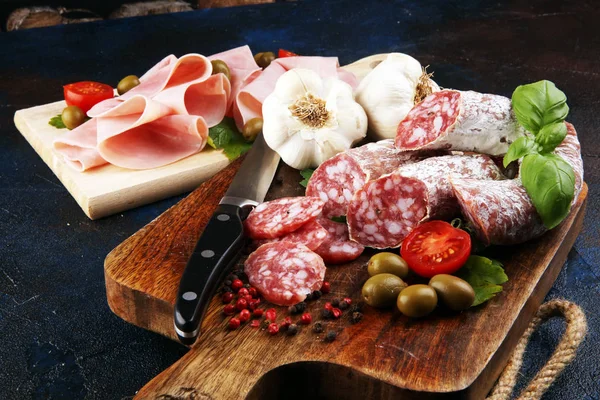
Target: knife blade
point(222, 240)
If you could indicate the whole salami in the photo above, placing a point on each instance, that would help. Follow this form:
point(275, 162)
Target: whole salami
point(501, 212)
point(336, 180)
point(311, 234)
point(463, 121)
point(285, 272)
point(387, 209)
point(337, 247)
point(276, 218)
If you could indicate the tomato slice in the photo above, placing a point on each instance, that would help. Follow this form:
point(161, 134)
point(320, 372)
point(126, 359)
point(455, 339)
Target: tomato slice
point(87, 94)
point(436, 247)
point(285, 53)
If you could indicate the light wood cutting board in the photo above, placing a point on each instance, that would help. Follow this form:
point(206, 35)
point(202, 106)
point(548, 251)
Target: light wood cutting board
point(107, 190)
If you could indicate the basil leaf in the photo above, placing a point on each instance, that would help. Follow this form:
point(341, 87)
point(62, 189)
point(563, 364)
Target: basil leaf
point(485, 277)
point(551, 136)
point(539, 104)
point(306, 174)
point(520, 148)
point(57, 122)
point(550, 183)
point(226, 136)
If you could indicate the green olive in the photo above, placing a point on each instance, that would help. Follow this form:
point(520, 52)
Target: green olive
point(127, 83)
point(417, 301)
point(265, 59)
point(454, 292)
point(220, 67)
point(389, 263)
point(252, 129)
point(257, 56)
point(72, 117)
point(382, 290)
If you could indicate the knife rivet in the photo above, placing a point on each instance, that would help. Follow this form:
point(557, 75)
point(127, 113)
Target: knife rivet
point(207, 253)
point(189, 296)
point(223, 217)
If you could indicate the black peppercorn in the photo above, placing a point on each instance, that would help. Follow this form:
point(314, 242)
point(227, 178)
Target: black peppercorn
point(317, 327)
point(227, 282)
point(309, 297)
point(317, 294)
point(301, 307)
point(233, 277)
point(355, 317)
point(292, 310)
point(226, 289)
point(335, 303)
point(326, 314)
point(292, 330)
point(330, 337)
point(343, 305)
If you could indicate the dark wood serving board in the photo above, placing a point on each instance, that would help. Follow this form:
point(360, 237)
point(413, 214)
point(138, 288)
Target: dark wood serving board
point(385, 356)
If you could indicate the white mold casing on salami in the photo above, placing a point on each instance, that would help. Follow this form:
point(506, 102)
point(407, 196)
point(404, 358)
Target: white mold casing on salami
point(337, 179)
point(284, 272)
point(463, 121)
point(501, 212)
point(387, 209)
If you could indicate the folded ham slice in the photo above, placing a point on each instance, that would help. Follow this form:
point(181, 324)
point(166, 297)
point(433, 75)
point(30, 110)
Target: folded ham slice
point(139, 133)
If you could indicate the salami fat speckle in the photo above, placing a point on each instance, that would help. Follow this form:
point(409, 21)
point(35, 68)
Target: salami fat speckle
point(387, 209)
point(276, 218)
point(337, 179)
point(311, 234)
point(284, 272)
point(501, 212)
point(337, 247)
point(464, 121)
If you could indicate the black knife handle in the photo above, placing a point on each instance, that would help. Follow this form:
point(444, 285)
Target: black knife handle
point(219, 245)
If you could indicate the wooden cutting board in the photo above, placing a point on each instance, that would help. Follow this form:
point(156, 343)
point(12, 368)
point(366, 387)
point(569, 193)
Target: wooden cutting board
point(385, 356)
point(108, 189)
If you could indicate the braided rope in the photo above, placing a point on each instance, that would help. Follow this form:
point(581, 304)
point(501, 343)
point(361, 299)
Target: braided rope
point(562, 356)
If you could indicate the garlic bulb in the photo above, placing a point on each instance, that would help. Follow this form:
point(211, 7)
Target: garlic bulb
point(390, 91)
point(308, 120)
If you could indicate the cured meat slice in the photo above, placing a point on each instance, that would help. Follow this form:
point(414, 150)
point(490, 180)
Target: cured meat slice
point(276, 218)
point(337, 247)
point(464, 121)
point(78, 147)
point(311, 234)
point(387, 209)
point(337, 179)
point(285, 272)
point(501, 212)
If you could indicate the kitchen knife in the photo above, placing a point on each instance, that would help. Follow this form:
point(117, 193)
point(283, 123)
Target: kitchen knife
point(222, 240)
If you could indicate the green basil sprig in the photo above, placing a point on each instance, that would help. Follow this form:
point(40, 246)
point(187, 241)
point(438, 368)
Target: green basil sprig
point(541, 108)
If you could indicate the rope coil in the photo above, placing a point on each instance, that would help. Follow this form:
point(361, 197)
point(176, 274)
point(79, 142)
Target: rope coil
point(563, 354)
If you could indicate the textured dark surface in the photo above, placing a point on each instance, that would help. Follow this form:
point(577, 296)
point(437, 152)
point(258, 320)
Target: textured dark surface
point(59, 338)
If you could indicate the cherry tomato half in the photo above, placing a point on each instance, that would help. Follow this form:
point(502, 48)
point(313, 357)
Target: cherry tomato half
point(284, 53)
point(436, 247)
point(87, 94)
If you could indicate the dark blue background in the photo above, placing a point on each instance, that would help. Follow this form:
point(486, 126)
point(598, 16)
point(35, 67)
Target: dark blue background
point(59, 339)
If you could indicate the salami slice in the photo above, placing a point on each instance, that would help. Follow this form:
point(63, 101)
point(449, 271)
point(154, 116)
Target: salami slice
point(337, 179)
point(276, 218)
point(456, 120)
point(501, 212)
point(387, 209)
point(311, 234)
point(337, 247)
point(284, 272)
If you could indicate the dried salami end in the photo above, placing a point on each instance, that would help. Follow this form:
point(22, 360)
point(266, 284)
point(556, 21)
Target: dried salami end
point(338, 248)
point(500, 212)
point(311, 234)
point(463, 121)
point(284, 272)
point(276, 218)
point(387, 209)
point(337, 179)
